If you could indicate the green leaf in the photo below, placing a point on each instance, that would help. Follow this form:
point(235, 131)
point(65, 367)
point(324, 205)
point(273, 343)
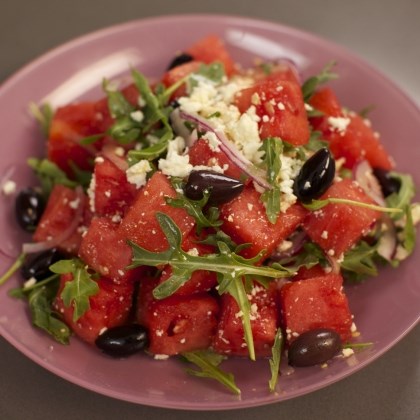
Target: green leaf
point(117, 104)
point(150, 153)
point(405, 194)
point(82, 177)
point(319, 204)
point(195, 208)
point(272, 148)
point(40, 304)
point(214, 71)
point(13, 268)
point(208, 364)
point(125, 130)
point(86, 141)
point(76, 292)
point(220, 236)
point(49, 174)
point(364, 113)
point(309, 256)
point(311, 85)
point(409, 232)
point(359, 262)
point(315, 142)
point(230, 268)
point(44, 115)
point(275, 360)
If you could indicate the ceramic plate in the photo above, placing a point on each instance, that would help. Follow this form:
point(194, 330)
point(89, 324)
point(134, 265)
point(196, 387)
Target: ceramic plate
point(385, 308)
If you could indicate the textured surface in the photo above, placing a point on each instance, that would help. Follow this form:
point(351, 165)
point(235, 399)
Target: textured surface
point(385, 34)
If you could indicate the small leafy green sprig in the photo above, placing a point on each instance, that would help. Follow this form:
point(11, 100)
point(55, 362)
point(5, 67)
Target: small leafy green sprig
point(40, 297)
point(204, 217)
point(273, 148)
point(312, 84)
point(208, 363)
point(235, 273)
point(77, 291)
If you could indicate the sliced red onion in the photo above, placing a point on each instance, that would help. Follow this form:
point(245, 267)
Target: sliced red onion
point(363, 174)
point(30, 248)
point(388, 241)
point(258, 175)
point(108, 151)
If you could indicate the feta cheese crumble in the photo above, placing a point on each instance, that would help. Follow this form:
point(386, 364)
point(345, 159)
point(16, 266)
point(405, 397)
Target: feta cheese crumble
point(137, 173)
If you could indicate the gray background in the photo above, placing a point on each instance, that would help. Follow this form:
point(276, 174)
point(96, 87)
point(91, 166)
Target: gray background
point(386, 33)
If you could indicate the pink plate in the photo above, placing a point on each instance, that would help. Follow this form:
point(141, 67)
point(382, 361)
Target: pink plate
point(385, 308)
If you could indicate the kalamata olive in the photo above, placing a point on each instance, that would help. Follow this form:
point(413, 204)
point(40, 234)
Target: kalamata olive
point(123, 340)
point(315, 176)
point(29, 207)
point(180, 59)
point(222, 188)
point(388, 184)
point(314, 347)
point(37, 265)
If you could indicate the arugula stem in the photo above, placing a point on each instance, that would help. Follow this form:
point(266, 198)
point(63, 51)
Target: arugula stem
point(319, 204)
point(13, 268)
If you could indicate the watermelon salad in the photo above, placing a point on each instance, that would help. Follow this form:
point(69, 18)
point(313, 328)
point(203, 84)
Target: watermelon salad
point(216, 212)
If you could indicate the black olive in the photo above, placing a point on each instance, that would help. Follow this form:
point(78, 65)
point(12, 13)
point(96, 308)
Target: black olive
point(180, 59)
point(222, 188)
point(29, 207)
point(388, 183)
point(123, 341)
point(314, 347)
point(315, 176)
point(37, 266)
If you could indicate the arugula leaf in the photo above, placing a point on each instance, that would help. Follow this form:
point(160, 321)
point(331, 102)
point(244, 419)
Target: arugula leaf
point(214, 71)
point(82, 177)
point(273, 148)
point(275, 359)
point(319, 204)
point(13, 268)
point(117, 104)
point(358, 346)
point(150, 153)
point(153, 112)
point(220, 236)
point(40, 305)
point(316, 142)
point(195, 208)
point(364, 112)
point(230, 267)
point(409, 232)
point(208, 363)
point(49, 174)
point(310, 255)
point(359, 262)
point(77, 291)
point(44, 115)
point(405, 194)
point(86, 141)
point(125, 130)
point(311, 85)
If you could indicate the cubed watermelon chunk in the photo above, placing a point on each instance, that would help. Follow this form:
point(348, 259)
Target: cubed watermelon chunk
point(229, 338)
point(245, 220)
point(337, 227)
point(317, 302)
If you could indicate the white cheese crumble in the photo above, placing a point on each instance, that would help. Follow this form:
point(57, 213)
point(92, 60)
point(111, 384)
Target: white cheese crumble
point(161, 357)
point(9, 187)
point(339, 124)
point(29, 283)
point(137, 116)
point(347, 352)
point(175, 163)
point(137, 173)
point(91, 193)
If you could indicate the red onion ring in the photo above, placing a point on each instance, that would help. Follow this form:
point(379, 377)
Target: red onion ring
point(258, 175)
point(30, 248)
point(108, 151)
point(335, 265)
